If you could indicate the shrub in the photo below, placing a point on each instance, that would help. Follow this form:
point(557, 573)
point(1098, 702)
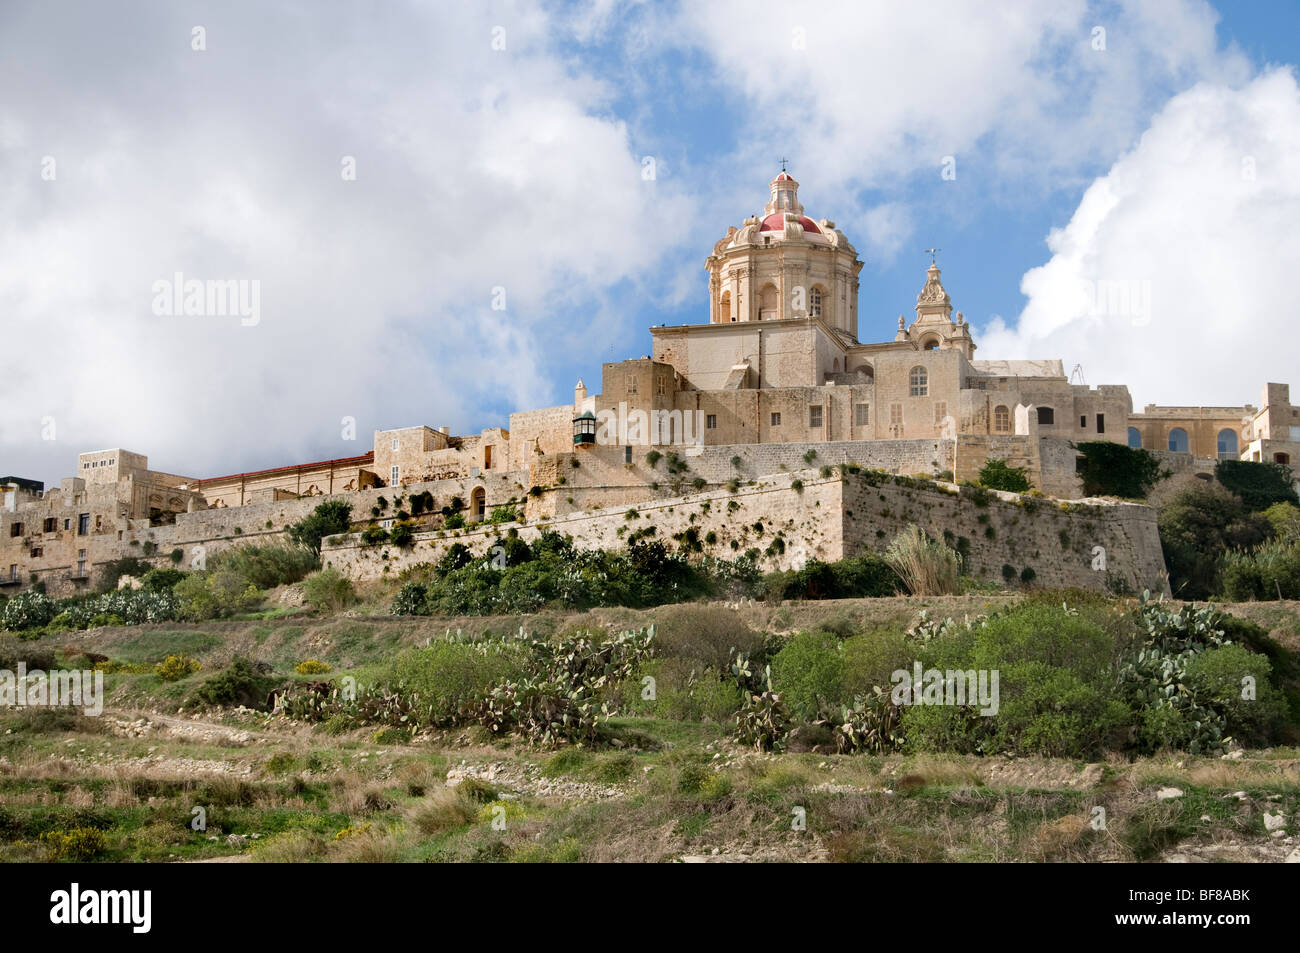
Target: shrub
point(999, 475)
point(329, 590)
point(79, 844)
point(312, 666)
point(266, 565)
point(175, 667)
point(411, 599)
point(1197, 527)
point(444, 678)
point(29, 609)
point(927, 567)
point(1270, 572)
point(213, 595)
point(454, 521)
point(115, 569)
point(1217, 677)
point(402, 535)
point(374, 536)
point(808, 674)
point(871, 658)
point(158, 580)
point(241, 683)
point(1285, 520)
point(328, 519)
point(1259, 485)
point(703, 634)
point(1113, 469)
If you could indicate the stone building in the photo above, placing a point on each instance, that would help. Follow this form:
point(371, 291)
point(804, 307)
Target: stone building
point(775, 377)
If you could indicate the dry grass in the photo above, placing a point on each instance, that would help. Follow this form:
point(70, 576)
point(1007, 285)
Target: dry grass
point(926, 566)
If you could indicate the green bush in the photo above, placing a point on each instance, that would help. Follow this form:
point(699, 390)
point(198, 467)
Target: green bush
point(1113, 469)
point(682, 692)
point(328, 519)
point(157, 580)
point(1259, 485)
point(1216, 675)
point(265, 566)
point(329, 590)
point(1272, 571)
point(445, 677)
point(808, 674)
point(872, 657)
point(214, 595)
point(241, 683)
point(30, 609)
point(999, 475)
point(1198, 526)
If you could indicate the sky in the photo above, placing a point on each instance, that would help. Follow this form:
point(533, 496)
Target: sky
point(437, 213)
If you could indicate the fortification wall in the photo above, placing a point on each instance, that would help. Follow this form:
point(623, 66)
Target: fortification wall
point(829, 518)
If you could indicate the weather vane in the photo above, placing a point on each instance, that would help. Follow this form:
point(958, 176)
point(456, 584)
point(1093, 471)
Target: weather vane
point(932, 252)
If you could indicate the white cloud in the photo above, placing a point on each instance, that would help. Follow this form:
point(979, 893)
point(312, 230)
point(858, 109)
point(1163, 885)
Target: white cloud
point(867, 95)
point(475, 169)
point(1199, 217)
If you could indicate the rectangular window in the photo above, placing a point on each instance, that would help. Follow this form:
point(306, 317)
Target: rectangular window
point(1083, 422)
point(1101, 423)
point(940, 412)
point(51, 524)
point(393, 476)
point(83, 524)
point(776, 420)
point(16, 529)
point(37, 552)
point(396, 441)
point(67, 524)
point(814, 417)
point(895, 415)
point(13, 572)
point(862, 415)
point(631, 385)
point(711, 421)
point(627, 454)
point(81, 562)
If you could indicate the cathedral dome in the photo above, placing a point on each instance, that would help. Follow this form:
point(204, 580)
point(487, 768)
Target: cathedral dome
point(776, 223)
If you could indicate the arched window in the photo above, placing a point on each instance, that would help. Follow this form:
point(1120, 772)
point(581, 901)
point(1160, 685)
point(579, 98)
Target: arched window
point(918, 382)
point(767, 303)
point(1178, 440)
point(815, 303)
point(478, 504)
point(1001, 419)
point(1046, 416)
point(1135, 438)
point(1227, 444)
point(724, 308)
point(930, 343)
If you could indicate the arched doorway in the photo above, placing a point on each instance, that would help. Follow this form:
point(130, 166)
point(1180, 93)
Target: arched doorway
point(478, 504)
point(1178, 442)
point(1135, 438)
point(1227, 444)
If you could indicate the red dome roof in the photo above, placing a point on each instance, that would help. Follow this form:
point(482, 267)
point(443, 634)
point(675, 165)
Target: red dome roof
point(776, 223)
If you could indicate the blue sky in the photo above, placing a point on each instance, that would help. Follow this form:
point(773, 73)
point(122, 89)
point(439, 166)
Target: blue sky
point(499, 149)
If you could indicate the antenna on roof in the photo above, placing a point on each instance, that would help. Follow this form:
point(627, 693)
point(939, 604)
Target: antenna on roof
point(1078, 372)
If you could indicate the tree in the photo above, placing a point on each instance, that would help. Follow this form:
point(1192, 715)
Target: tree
point(1112, 469)
point(329, 518)
point(1197, 529)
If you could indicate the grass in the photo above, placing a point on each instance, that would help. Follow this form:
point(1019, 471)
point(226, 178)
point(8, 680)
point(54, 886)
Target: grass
point(660, 790)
